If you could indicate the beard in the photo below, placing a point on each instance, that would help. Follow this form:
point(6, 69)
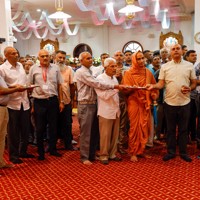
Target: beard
point(61, 66)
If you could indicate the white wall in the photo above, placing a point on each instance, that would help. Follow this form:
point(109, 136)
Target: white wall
point(108, 39)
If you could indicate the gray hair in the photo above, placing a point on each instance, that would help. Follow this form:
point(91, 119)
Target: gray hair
point(118, 51)
point(164, 49)
point(81, 55)
point(107, 61)
point(30, 61)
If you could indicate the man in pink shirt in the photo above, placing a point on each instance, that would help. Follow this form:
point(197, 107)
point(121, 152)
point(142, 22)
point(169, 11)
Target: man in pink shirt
point(65, 117)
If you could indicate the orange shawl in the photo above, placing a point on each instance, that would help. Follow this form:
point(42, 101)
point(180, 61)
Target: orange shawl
point(139, 104)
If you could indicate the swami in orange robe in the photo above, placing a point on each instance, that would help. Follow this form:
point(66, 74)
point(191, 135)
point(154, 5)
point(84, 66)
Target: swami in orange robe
point(139, 104)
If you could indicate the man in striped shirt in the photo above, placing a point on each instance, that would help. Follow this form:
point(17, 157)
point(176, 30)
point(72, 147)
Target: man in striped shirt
point(87, 107)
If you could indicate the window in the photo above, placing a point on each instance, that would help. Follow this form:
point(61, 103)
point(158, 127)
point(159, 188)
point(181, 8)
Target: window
point(132, 46)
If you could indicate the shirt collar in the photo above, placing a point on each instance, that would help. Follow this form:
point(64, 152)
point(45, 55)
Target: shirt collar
point(10, 66)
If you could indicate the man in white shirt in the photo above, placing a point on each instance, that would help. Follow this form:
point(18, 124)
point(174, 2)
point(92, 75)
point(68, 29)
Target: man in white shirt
point(18, 107)
point(109, 113)
point(178, 77)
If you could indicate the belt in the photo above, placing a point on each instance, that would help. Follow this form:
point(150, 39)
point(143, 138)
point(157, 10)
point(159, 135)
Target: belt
point(49, 98)
point(2, 105)
point(87, 102)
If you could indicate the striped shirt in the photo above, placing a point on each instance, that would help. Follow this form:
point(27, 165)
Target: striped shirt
point(53, 79)
point(86, 84)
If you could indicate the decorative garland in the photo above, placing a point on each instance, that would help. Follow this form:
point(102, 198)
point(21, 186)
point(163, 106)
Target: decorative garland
point(23, 23)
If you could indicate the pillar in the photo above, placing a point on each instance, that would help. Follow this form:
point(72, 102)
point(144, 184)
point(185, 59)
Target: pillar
point(6, 24)
point(197, 26)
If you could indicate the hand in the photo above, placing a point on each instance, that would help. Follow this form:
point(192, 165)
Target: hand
point(61, 106)
point(149, 87)
point(20, 88)
point(121, 87)
point(185, 89)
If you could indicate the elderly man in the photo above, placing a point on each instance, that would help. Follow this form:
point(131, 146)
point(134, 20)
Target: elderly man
point(18, 107)
point(109, 113)
point(47, 101)
point(65, 117)
point(87, 107)
point(164, 54)
point(178, 77)
point(28, 65)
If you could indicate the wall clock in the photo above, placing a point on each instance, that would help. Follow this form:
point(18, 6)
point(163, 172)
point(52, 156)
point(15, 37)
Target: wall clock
point(197, 37)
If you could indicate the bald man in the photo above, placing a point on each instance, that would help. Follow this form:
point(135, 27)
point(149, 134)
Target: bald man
point(179, 79)
point(48, 101)
point(18, 107)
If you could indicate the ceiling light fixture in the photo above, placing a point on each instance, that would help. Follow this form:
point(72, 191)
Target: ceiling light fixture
point(59, 15)
point(129, 10)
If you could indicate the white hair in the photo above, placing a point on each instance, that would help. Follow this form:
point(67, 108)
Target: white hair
point(107, 61)
point(164, 49)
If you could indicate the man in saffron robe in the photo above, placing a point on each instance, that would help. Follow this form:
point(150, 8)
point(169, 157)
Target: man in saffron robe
point(139, 104)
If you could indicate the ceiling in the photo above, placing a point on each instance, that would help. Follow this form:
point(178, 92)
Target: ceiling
point(179, 9)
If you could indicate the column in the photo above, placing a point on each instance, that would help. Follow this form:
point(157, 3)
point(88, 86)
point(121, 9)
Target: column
point(197, 27)
point(6, 24)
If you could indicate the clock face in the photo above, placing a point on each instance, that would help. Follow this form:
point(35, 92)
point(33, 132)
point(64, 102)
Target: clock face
point(197, 37)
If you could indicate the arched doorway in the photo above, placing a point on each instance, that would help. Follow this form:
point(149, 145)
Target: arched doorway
point(81, 48)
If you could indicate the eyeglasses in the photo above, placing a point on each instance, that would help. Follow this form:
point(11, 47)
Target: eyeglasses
point(43, 56)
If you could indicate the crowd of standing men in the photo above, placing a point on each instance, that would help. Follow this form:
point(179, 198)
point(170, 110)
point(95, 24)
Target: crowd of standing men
point(116, 104)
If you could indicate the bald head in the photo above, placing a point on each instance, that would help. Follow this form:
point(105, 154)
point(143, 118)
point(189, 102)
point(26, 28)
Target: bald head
point(8, 49)
point(44, 58)
point(119, 57)
point(176, 52)
point(86, 59)
point(11, 55)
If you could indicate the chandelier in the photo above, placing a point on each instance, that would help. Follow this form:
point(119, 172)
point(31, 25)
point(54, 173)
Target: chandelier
point(59, 15)
point(130, 9)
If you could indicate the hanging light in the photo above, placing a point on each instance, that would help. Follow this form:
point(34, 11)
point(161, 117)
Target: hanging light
point(130, 9)
point(59, 15)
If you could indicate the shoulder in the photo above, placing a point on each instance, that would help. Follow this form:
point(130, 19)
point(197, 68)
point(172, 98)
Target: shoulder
point(187, 63)
point(54, 66)
point(101, 77)
point(4, 65)
point(34, 67)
